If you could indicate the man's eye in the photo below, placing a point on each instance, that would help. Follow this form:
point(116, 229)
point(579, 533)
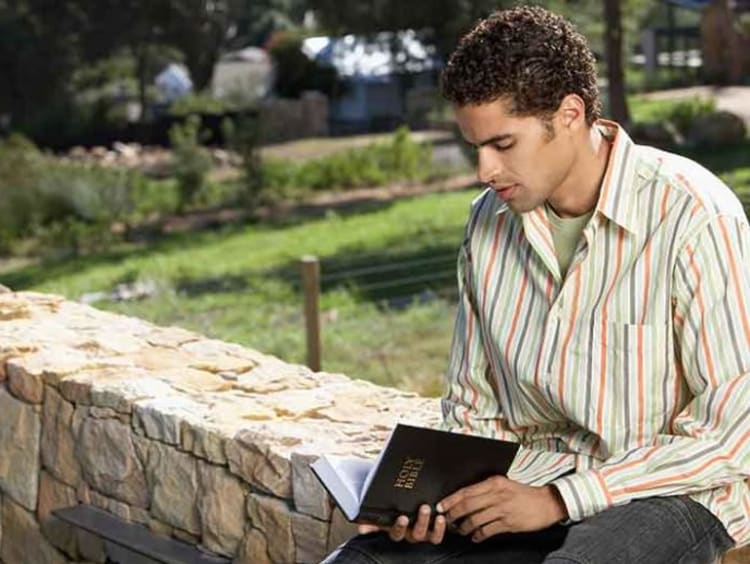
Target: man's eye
point(503, 147)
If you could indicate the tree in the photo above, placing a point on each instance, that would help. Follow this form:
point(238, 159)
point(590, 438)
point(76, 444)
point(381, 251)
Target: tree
point(200, 29)
point(447, 19)
point(38, 52)
point(253, 23)
point(618, 105)
point(725, 47)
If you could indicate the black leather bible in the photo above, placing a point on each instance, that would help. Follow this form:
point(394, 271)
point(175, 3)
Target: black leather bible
point(417, 466)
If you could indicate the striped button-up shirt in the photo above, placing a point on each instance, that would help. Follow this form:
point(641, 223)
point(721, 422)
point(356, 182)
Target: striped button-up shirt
point(634, 370)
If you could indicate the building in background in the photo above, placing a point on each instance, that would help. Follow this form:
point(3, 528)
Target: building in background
point(387, 79)
point(242, 77)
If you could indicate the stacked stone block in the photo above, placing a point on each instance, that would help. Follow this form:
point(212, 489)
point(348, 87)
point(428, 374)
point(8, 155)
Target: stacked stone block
point(204, 441)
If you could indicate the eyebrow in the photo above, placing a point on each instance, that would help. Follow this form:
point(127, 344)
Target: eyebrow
point(495, 139)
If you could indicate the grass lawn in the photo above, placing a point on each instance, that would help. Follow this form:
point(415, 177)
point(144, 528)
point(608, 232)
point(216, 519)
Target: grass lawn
point(241, 285)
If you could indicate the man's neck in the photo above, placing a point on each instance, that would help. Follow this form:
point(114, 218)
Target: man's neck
point(579, 192)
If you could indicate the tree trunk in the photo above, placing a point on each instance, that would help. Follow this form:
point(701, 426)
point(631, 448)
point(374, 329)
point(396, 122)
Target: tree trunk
point(618, 105)
point(724, 47)
point(141, 68)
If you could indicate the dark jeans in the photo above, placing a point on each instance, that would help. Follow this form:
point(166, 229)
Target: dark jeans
point(659, 530)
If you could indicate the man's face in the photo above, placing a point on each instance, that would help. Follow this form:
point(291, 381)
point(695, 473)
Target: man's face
point(520, 158)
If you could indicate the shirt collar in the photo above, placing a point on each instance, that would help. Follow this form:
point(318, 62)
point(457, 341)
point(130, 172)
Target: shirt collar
point(618, 194)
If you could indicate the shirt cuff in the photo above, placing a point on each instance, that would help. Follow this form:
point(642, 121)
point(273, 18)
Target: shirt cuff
point(584, 494)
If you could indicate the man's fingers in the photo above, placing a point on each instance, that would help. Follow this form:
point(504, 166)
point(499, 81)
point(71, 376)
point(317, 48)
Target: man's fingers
point(484, 487)
point(490, 529)
point(399, 528)
point(438, 531)
point(365, 529)
point(473, 505)
point(476, 521)
point(419, 532)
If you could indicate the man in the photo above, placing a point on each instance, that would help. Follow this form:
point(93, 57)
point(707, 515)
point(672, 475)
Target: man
point(603, 324)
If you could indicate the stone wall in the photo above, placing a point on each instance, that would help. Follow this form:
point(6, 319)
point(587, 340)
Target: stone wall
point(200, 440)
point(205, 441)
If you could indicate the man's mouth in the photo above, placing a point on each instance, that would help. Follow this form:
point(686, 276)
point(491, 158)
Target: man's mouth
point(505, 191)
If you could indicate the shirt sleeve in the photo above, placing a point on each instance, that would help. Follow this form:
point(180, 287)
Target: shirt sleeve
point(708, 442)
point(470, 403)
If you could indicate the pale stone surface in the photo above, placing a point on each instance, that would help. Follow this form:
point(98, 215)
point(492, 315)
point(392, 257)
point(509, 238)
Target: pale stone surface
point(275, 377)
point(254, 549)
point(217, 356)
point(58, 445)
point(297, 404)
point(173, 480)
point(252, 459)
point(171, 337)
point(20, 428)
point(222, 509)
point(340, 531)
point(102, 412)
point(23, 542)
point(56, 495)
point(310, 496)
point(204, 440)
point(310, 538)
point(109, 463)
point(54, 362)
point(161, 418)
point(126, 387)
point(274, 519)
point(23, 305)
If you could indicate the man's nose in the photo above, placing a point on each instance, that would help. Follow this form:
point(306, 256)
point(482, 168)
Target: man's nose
point(488, 168)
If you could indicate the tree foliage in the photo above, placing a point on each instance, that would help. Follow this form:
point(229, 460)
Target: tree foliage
point(43, 44)
point(448, 19)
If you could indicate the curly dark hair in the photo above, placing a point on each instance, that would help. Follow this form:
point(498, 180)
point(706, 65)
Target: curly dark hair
point(528, 54)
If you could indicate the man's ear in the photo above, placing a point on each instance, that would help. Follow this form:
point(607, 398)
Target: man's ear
point(571, 113)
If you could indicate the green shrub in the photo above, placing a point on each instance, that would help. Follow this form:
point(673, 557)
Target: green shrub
point(41, 195)
point(191, 161)
point(197, 104)
point(19, 162)
point(152, 197)
point(682, 113)
point(679, 113)
point(399, 159)
point(244, 138)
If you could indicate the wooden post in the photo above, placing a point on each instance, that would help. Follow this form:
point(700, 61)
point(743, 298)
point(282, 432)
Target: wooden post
point(311, 288)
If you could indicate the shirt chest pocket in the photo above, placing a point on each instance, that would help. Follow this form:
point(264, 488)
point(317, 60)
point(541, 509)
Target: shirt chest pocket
point(620, 371)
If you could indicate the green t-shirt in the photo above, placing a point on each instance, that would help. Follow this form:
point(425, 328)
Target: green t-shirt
point(566, 231)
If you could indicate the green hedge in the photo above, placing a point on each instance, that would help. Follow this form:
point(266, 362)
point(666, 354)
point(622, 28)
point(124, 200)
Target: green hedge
point(399, 159)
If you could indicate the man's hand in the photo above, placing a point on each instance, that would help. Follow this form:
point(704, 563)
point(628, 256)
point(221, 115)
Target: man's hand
point(418, 533)
point(499, 505)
